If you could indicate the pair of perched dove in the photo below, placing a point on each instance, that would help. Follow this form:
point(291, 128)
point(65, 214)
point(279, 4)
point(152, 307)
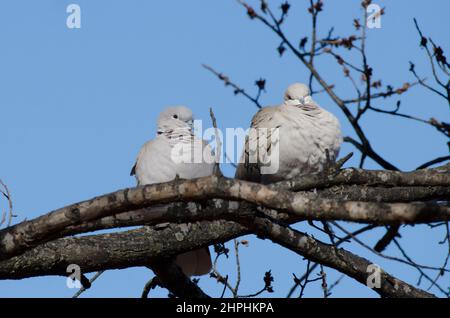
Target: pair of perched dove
point(309, 137)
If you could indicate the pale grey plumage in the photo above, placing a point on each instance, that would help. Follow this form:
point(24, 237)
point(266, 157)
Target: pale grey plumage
point(306, 133)
point(155, 164)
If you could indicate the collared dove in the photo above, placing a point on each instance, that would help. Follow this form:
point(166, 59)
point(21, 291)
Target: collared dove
point(164, 158)
point(308, 138)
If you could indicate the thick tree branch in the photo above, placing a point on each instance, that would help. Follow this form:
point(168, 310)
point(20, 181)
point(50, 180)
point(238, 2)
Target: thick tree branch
point(383, 194)
point(138, 247)
point(148, 245)
point(352, 176)
point(173, 278)
point(23, 236)
point(339, 259)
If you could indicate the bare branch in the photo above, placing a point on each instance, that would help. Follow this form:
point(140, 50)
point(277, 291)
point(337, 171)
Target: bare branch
point(339, 259)
point(23, 236)
point(4, 191)
point(237, 89)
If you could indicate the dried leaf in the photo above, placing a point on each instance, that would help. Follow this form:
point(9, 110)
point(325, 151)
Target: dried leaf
point(281, 49)
point(264, 6)
point(261, 83)
point(285, 8)
point(303, 42)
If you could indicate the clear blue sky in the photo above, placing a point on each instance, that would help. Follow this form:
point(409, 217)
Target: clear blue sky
point(77, 104)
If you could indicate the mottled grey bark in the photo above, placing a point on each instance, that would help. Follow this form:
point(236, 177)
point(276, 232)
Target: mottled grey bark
point(384, 194)
point(429, 177)
point(215, 208)
point(138, 247)
point(152, 247)
point(25, 235)
point(337, 258)
point(173, 278)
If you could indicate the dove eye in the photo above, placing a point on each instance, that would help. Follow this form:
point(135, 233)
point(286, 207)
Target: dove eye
point(175, 116)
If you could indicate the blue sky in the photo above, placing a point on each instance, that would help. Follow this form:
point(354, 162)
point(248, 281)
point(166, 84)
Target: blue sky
point(77, 104)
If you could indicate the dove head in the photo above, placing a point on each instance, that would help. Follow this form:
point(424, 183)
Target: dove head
point(175, 118)
point(296, 94)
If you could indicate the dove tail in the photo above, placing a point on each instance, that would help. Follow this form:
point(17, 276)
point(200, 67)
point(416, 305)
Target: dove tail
point(195, 263)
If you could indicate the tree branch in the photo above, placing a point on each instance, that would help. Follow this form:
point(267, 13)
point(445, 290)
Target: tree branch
point(148, 245)
point(138, 247)
point(339, 259)
point(23, 236)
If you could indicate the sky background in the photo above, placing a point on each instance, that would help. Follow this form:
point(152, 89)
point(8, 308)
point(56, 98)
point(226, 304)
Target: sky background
point(77, 104)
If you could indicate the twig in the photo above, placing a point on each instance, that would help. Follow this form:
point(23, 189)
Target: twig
point(5, 192)
point(407, 262)
point(430, 56)
point(433, 162)
point(219, 277)
point(336, 282)
point(151, 284)
point(366, 146)
point(237, 89)
point(218, 143)
point(304, 281)
point(388, 93)
point(441, 127)
point(238, 266)
point(268, 279)
point(447, 238)
point(339, 242)
point(323, 277)
point(224, 287)
point(419, 268)
point(83, 289)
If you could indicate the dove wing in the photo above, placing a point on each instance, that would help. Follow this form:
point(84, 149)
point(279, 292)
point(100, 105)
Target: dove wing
point(248, 168)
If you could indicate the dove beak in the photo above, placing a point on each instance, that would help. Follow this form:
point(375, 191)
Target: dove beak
point(294, 102)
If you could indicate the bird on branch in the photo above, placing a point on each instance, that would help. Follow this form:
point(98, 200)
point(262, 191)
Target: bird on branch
point(177, 153)
point(307, 139)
